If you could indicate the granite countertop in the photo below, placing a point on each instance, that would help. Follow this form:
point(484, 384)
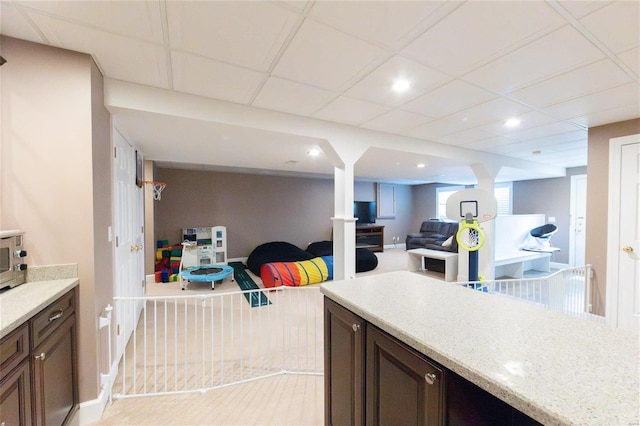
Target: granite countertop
point(554, 368)
point(45, 285)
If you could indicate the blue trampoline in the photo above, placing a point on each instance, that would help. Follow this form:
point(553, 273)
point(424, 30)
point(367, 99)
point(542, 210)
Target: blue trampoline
point(202, 274)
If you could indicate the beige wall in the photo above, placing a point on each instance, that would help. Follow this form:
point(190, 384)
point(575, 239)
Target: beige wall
point(597, 206)
point(257, 209)
point(56, 181)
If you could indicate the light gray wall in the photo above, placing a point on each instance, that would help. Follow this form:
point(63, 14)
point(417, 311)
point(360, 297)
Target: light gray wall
point(257, 209)
point(551, 197)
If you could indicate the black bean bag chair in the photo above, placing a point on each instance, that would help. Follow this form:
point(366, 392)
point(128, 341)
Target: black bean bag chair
point(276, 251)
point(366, 260)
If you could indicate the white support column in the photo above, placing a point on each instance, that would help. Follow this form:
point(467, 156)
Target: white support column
point(343, 155)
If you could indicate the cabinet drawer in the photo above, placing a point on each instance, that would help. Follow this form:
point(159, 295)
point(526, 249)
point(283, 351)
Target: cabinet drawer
point(14, 348)
point(47, 321)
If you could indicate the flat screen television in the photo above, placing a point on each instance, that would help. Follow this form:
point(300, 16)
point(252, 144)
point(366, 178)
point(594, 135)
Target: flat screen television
point(365, 212)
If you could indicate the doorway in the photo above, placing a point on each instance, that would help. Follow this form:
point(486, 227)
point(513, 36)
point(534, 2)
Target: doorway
point(623, 241)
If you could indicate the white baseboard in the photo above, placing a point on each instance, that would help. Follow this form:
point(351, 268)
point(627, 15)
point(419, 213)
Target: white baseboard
point(91, 411)
point(396, 245)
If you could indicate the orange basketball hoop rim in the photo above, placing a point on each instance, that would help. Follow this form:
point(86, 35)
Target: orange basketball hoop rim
point(157, 188)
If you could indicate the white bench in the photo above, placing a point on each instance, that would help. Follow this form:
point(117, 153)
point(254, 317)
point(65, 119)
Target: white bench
point(514, 264)
point(416, 257)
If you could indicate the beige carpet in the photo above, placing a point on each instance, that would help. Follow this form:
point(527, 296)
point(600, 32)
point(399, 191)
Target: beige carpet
point(289, 399)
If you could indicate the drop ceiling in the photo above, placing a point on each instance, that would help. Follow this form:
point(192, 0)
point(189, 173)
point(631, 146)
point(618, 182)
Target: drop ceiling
point(561, 67)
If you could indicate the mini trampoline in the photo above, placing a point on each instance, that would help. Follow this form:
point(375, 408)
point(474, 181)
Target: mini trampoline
point(202, 274)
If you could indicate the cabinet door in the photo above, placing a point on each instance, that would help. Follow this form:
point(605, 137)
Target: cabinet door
point(344, 334)
point(54, 372)
point(403, 387)
point(15, 397)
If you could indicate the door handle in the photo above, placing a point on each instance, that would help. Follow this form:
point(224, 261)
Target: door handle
point(627, 249)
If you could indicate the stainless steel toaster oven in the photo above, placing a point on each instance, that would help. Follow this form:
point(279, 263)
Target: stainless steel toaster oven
point(13, 266)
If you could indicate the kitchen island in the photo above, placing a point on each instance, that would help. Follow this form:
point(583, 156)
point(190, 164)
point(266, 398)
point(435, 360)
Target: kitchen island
point(552, 368)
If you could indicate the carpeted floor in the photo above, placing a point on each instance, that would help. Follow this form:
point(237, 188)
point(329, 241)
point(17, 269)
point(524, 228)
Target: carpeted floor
point(279, 400)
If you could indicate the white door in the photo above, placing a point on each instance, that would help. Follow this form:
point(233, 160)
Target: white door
point(623, 256)
point(578, 220)
point(128, 240)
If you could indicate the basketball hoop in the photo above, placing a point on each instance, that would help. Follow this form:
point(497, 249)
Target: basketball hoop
point(157, 188)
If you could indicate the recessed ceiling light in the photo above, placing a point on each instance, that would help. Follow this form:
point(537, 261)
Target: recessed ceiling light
point(536, 152)
point(421, 165)
point(512, 122)
point(401, 85)
point(313, 152)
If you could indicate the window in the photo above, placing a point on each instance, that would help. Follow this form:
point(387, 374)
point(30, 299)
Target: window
point(443, 193)
point(502, 192)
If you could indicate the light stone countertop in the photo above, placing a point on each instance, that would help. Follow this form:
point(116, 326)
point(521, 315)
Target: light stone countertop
point(554, 368)
point(19, 304)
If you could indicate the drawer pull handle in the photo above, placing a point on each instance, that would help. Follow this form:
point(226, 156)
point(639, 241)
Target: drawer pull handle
point(430, 378)
point(41, 357)
point(55, 316)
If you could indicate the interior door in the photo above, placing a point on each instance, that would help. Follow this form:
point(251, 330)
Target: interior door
point(128, 218)
point(578, 221)
point(623, 256)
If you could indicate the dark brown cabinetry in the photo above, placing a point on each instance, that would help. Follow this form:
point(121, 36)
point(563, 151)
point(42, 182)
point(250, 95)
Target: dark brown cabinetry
point(372, 378)
point(370, 236)
point(403, 387)
point(344, 366)
point(39, 383)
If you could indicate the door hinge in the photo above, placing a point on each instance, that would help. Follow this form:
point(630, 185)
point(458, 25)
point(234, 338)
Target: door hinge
point(118, 329)
point(117, 241)
point(115, 152)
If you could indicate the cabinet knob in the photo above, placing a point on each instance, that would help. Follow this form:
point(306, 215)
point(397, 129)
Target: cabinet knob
point(627, 249)
point(356, 327)
point(41, 357)
point(430, 378)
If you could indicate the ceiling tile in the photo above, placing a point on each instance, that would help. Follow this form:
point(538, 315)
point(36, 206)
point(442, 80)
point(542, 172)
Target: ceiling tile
point(14, 22)
point(543, 131)
point(291, 97)
point(579, 82)
point(612, 115)
point(209, 78)
point(452, 97)
point(246, 33)
point(325, 58)
point(527, 120)
point(396, 121)
point(480, 31)
point(622, 35)
point(377, 86)
point(435, 129)
point(350, 111)
point(385, 22)
point(145, 63)
point(559, 51)
point(573, 136)
point(579, 8)
point(493, 142)
point(631, 58)
point(137, 19)
point(626, 95)
point(464, 137)
point(498, 109)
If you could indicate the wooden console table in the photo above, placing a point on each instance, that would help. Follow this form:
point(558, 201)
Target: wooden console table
point(370, 236)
